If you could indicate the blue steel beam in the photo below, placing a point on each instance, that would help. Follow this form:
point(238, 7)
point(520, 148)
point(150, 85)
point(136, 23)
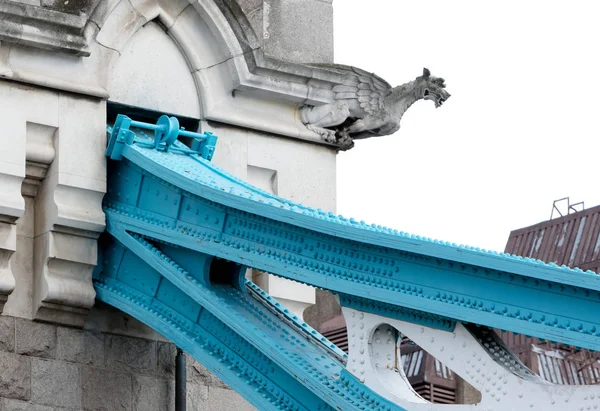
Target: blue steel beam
point(240, 336)
point(185, 200)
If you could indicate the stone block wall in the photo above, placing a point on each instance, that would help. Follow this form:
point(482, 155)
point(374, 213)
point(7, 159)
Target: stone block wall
point(47, 367)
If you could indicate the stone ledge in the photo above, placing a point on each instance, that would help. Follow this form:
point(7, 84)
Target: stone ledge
point(43, 27)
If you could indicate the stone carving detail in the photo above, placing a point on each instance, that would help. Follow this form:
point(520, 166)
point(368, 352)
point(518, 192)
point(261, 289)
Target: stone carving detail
point(53, 177)
point(366, 106)
point(63, 291)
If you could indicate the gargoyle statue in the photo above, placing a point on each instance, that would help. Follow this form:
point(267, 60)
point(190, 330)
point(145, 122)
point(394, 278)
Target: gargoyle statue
point(366, 106)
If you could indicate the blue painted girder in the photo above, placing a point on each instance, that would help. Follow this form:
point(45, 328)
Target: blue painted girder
point(185, 200)
point(242, 337)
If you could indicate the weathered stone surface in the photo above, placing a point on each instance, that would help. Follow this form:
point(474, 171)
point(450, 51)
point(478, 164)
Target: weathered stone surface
point(71, 195)
point(197, 398)
point(166, 353)
point(130, 354)
point(198, 374)
point(37, 26)
point(55, 383)
point(107, 319)
point(19, 302)
point(253, 9)
point(325, 309)
point(35, 339)
point(152, 47)
point(124, 21)
point(150, 393)
point(7, 404)
point(299, 31)
point(249, 5)
point(15, 378)
point(63, 263)
point(105, 390)
point(83, 347)
point(466, 393)
point(171, 400)
point(7, 333)
point(8, 247)
point(226, 399)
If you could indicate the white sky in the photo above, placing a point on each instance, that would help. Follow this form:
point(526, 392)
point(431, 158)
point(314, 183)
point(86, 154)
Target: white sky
point(520, 130)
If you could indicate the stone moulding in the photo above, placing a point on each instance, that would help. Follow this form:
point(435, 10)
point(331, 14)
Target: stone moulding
point(46, 28)
point(83, 48)
point(27, 25)
point(52, 180)
point(65, 252)
point(64, 265)
point(12, 205)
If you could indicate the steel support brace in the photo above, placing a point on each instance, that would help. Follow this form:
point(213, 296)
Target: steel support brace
point(475, 353)
point(171, 215)
point(214, 218)
point(253, 344)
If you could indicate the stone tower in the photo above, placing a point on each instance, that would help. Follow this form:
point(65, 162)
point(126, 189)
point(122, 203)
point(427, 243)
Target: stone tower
point(225, 66)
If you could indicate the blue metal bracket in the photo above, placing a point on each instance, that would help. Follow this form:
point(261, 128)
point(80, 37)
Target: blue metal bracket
point(166, 131)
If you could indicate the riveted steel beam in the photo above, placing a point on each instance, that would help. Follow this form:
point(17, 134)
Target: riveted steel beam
point(187, 201)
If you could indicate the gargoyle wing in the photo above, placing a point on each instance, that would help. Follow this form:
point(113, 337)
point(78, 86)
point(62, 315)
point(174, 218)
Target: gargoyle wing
point(367, 88)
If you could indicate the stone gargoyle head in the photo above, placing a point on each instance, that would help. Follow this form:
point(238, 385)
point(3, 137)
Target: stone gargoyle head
point(433, 88)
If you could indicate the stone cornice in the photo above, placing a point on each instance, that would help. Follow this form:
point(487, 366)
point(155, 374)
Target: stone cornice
point(44, 27)
point(82, 49)
point(55, 30)
point(294, 81)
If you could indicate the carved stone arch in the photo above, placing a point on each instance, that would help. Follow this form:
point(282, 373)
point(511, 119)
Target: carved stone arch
point(134, 52)
point(235, 82)
point(152, 73)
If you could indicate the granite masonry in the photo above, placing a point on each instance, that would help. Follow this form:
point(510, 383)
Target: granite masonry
point(50, 368)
